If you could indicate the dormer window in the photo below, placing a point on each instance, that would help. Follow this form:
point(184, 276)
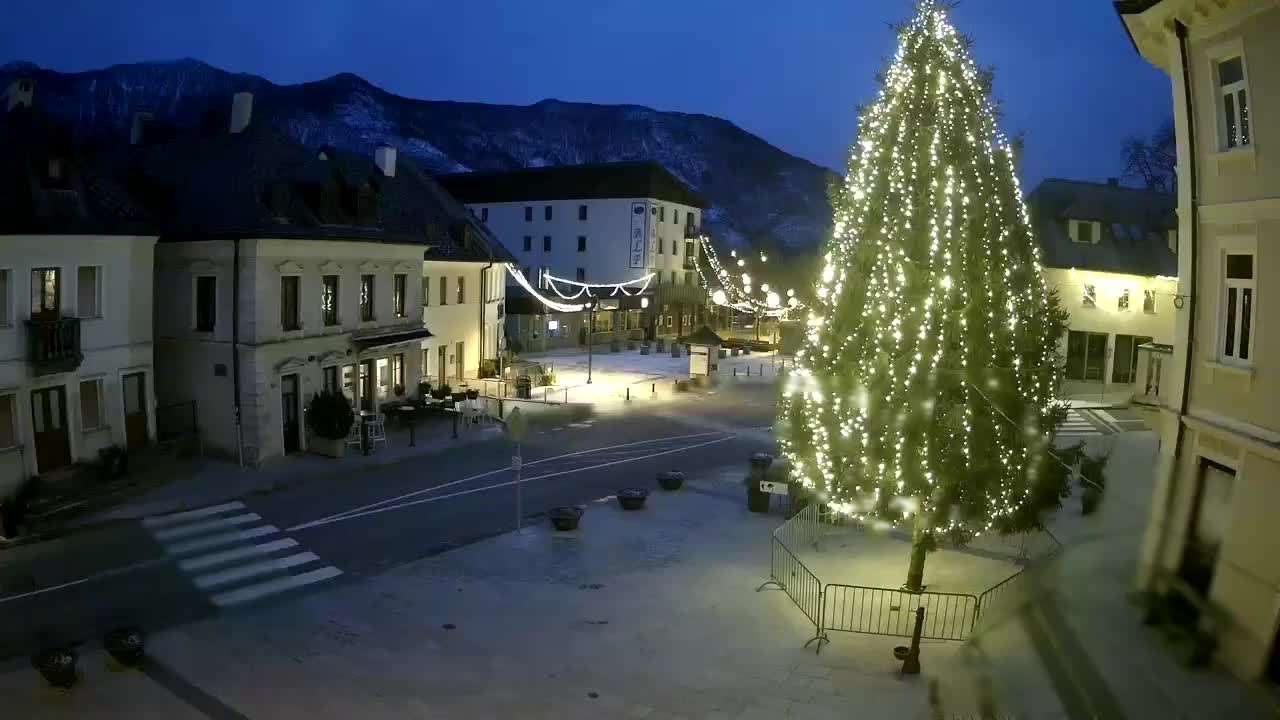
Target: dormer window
point(1085, 231)
point(55, 168)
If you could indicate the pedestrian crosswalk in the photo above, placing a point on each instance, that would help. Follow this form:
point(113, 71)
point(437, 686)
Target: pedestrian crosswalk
point(1077, 427)
point(233, 556)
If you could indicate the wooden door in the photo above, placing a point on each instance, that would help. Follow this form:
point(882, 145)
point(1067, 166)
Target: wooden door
point(459, 365)
point(289, 412)
point(134, 387)
point(49, 428)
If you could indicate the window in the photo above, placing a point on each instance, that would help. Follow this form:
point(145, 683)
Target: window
point(546, 213)
point(542, 277)
point(329, 379)
point(528, 213)
point(1090, 296)
point(582, 212)
point(675, 216)
point(1149, 302)
point(582, 242)
point(6, 302)
point(528, 243)
point(1085, 231)
point(673, 277)
point(45, 292)
point(1173, 241)
point(1124, 358)
point(444, 290)
point(55, 168)
point(8, 425)
point(662, 213)
point(1123, 303)
point(329, 299)
point(528, 273)
point(582, 274)
point(88, 292)
point(1086, 355)
point(91, 405)
point(1236, 320)
point(426, 290)
point(1233, 87)
point(484, 214)
point(688, 251)
point(399, 288)
point(660, 244)
point(206, 303)
point(675, 248)
point(461, 296)
point(366, 298)
point(422, 367)
point(397, 373)
point(546, 243)
point(289, 319)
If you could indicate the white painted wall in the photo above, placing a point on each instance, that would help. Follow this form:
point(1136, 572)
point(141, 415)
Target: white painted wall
point(451, 322)
point(114, 342)
point(607, 229)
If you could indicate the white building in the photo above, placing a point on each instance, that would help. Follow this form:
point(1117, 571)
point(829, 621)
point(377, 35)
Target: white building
point(76, 370)
point(285, 272)
point(603, 223)
point(1110, 251)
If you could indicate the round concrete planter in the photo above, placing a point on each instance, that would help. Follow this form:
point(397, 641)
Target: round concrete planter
point(565, 519)
point(58, 666)
point(632, 498)
point(671, 480)
point(126, 645)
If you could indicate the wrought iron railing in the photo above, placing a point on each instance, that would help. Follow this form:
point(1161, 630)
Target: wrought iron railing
point(53, 346)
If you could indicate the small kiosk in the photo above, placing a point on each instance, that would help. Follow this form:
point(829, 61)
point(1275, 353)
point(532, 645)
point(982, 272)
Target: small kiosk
point(704, 350)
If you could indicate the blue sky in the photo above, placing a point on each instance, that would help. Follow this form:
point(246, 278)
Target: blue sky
point(791, 72)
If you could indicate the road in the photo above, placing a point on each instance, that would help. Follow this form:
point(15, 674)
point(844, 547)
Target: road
point(158, 572)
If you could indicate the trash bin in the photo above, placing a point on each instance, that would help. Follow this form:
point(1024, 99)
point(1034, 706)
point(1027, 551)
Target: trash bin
point(757, 499)
point(524, 387)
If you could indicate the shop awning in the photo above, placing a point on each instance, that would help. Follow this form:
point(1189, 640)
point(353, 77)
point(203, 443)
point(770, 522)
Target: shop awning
point(394, 337)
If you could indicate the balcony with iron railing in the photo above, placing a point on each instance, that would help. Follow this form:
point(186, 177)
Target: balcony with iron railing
point(53, 345)
point(692, 232)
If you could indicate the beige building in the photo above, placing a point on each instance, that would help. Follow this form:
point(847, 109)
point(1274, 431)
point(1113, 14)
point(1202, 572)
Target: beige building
point(1109, 251)
point(1212, 523)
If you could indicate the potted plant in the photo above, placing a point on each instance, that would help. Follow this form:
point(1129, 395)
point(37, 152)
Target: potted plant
point(424, 390)
point(473, 394)
point(113, 461)
point(1093, 481)
point(547, 378)
point(566, 518)
point(126, 645)
point(632, 498)
point(441, 392)
point(57, 665)
point(671, 479)
point(330, 416)
point(398, 391)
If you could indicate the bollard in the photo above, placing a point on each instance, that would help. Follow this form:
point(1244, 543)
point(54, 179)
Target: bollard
point(411, 438)
point(653, 388)
point(911, 664)
point(735, 372)
point(628, 393)
point(761, 369)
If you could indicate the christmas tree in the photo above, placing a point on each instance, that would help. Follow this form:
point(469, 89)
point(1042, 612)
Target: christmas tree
point(924, 393)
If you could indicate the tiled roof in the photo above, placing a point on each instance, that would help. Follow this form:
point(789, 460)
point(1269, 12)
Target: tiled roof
point(1135, 227)
point(572, 182)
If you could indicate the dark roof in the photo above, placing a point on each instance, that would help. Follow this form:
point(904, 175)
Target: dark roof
point(86, 199)
point(572, 182)
point(1135, 227)
point(259, 184)
point(1133, 7)
point(702, 336)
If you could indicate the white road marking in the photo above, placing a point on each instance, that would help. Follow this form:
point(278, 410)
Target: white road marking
point(244, 572)
point(165, 520)
point(351, 515)
point(213, 541)
point(503, 469)
point(171, 533)
point(88, 578)
point(240, 553)
point(271, 587)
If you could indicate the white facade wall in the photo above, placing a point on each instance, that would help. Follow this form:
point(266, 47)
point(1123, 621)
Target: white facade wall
point(607, 228)
point(475, 322)
point(116, 341)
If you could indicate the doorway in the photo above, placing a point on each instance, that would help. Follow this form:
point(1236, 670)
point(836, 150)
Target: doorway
point(366, 385)
point(289, 412)
point(1124, 368)
point(441, 364)
point(1086, 356)
point(49, 426)
point(135, 410)
point(459, 364)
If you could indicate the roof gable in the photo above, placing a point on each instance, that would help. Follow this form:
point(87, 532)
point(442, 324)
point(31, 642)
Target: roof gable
point(1135, 226)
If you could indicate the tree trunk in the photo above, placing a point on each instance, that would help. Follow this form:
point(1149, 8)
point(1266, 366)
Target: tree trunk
point(915, 572)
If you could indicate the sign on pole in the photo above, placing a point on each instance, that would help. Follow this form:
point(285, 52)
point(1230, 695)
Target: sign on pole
point(516, 425)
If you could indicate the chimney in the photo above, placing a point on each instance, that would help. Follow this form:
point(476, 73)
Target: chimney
point(1113, 182)
point(384, 156)
point(138, 131)
point(241, 111)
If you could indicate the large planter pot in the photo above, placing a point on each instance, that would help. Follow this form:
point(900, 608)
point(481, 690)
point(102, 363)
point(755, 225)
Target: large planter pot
point(473, 394)
point(126, 645)
point(644, 349)
point(757, 499)
point(632, 498)
point(565, 519)
point(723, 353)
point(675, 350)
point(328, 447)
point(58, 666)
point(671, 479)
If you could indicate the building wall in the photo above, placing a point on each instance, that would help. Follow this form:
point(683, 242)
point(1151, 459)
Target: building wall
point(1106, 317)
point(117, 341)
point(451, 323)
point(607, 229)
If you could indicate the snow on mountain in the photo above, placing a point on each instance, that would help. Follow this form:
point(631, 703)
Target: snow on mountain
point(757, 194)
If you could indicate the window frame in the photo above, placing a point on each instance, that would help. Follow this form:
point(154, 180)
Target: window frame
point(195, 304)
point(336, 372)
point(547, 214)
point(582, 213)
point(399, 291)
point(582, 243)
point(460, 291)
point(528, 213)
point(484, 214)
point(1124, 302)
point(368, 300)
point(528, 243)
point(13, 422)
point(1218, 55)
point(582, 274)
point(1237, 246)
point(6, 296)
point(297, 303)
point(546, 243)
point(97, 292)
point(330, 317)
point(1095, 231)
point(98, 387)
point(426, 291)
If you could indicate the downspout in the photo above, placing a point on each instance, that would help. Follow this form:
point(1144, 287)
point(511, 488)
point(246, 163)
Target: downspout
point(235, 345)
point(484, 307)
point(1194, 220)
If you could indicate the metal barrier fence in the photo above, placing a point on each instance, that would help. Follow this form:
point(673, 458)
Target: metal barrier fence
point(799, 583)
point(881, 611)
point(800, 529)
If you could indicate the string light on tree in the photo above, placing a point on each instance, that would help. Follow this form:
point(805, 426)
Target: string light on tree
point(924, 390)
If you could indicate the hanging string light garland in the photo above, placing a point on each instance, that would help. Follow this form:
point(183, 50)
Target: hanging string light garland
point(627, 287)
point(558, 306)
point(735, 290)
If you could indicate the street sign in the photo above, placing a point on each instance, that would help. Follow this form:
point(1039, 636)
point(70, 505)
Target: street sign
point(516, 425)
point(515, 462)
point(773, 488)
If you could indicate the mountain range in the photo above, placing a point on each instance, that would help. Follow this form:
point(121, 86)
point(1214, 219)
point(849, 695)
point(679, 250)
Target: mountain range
point(758, 195)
